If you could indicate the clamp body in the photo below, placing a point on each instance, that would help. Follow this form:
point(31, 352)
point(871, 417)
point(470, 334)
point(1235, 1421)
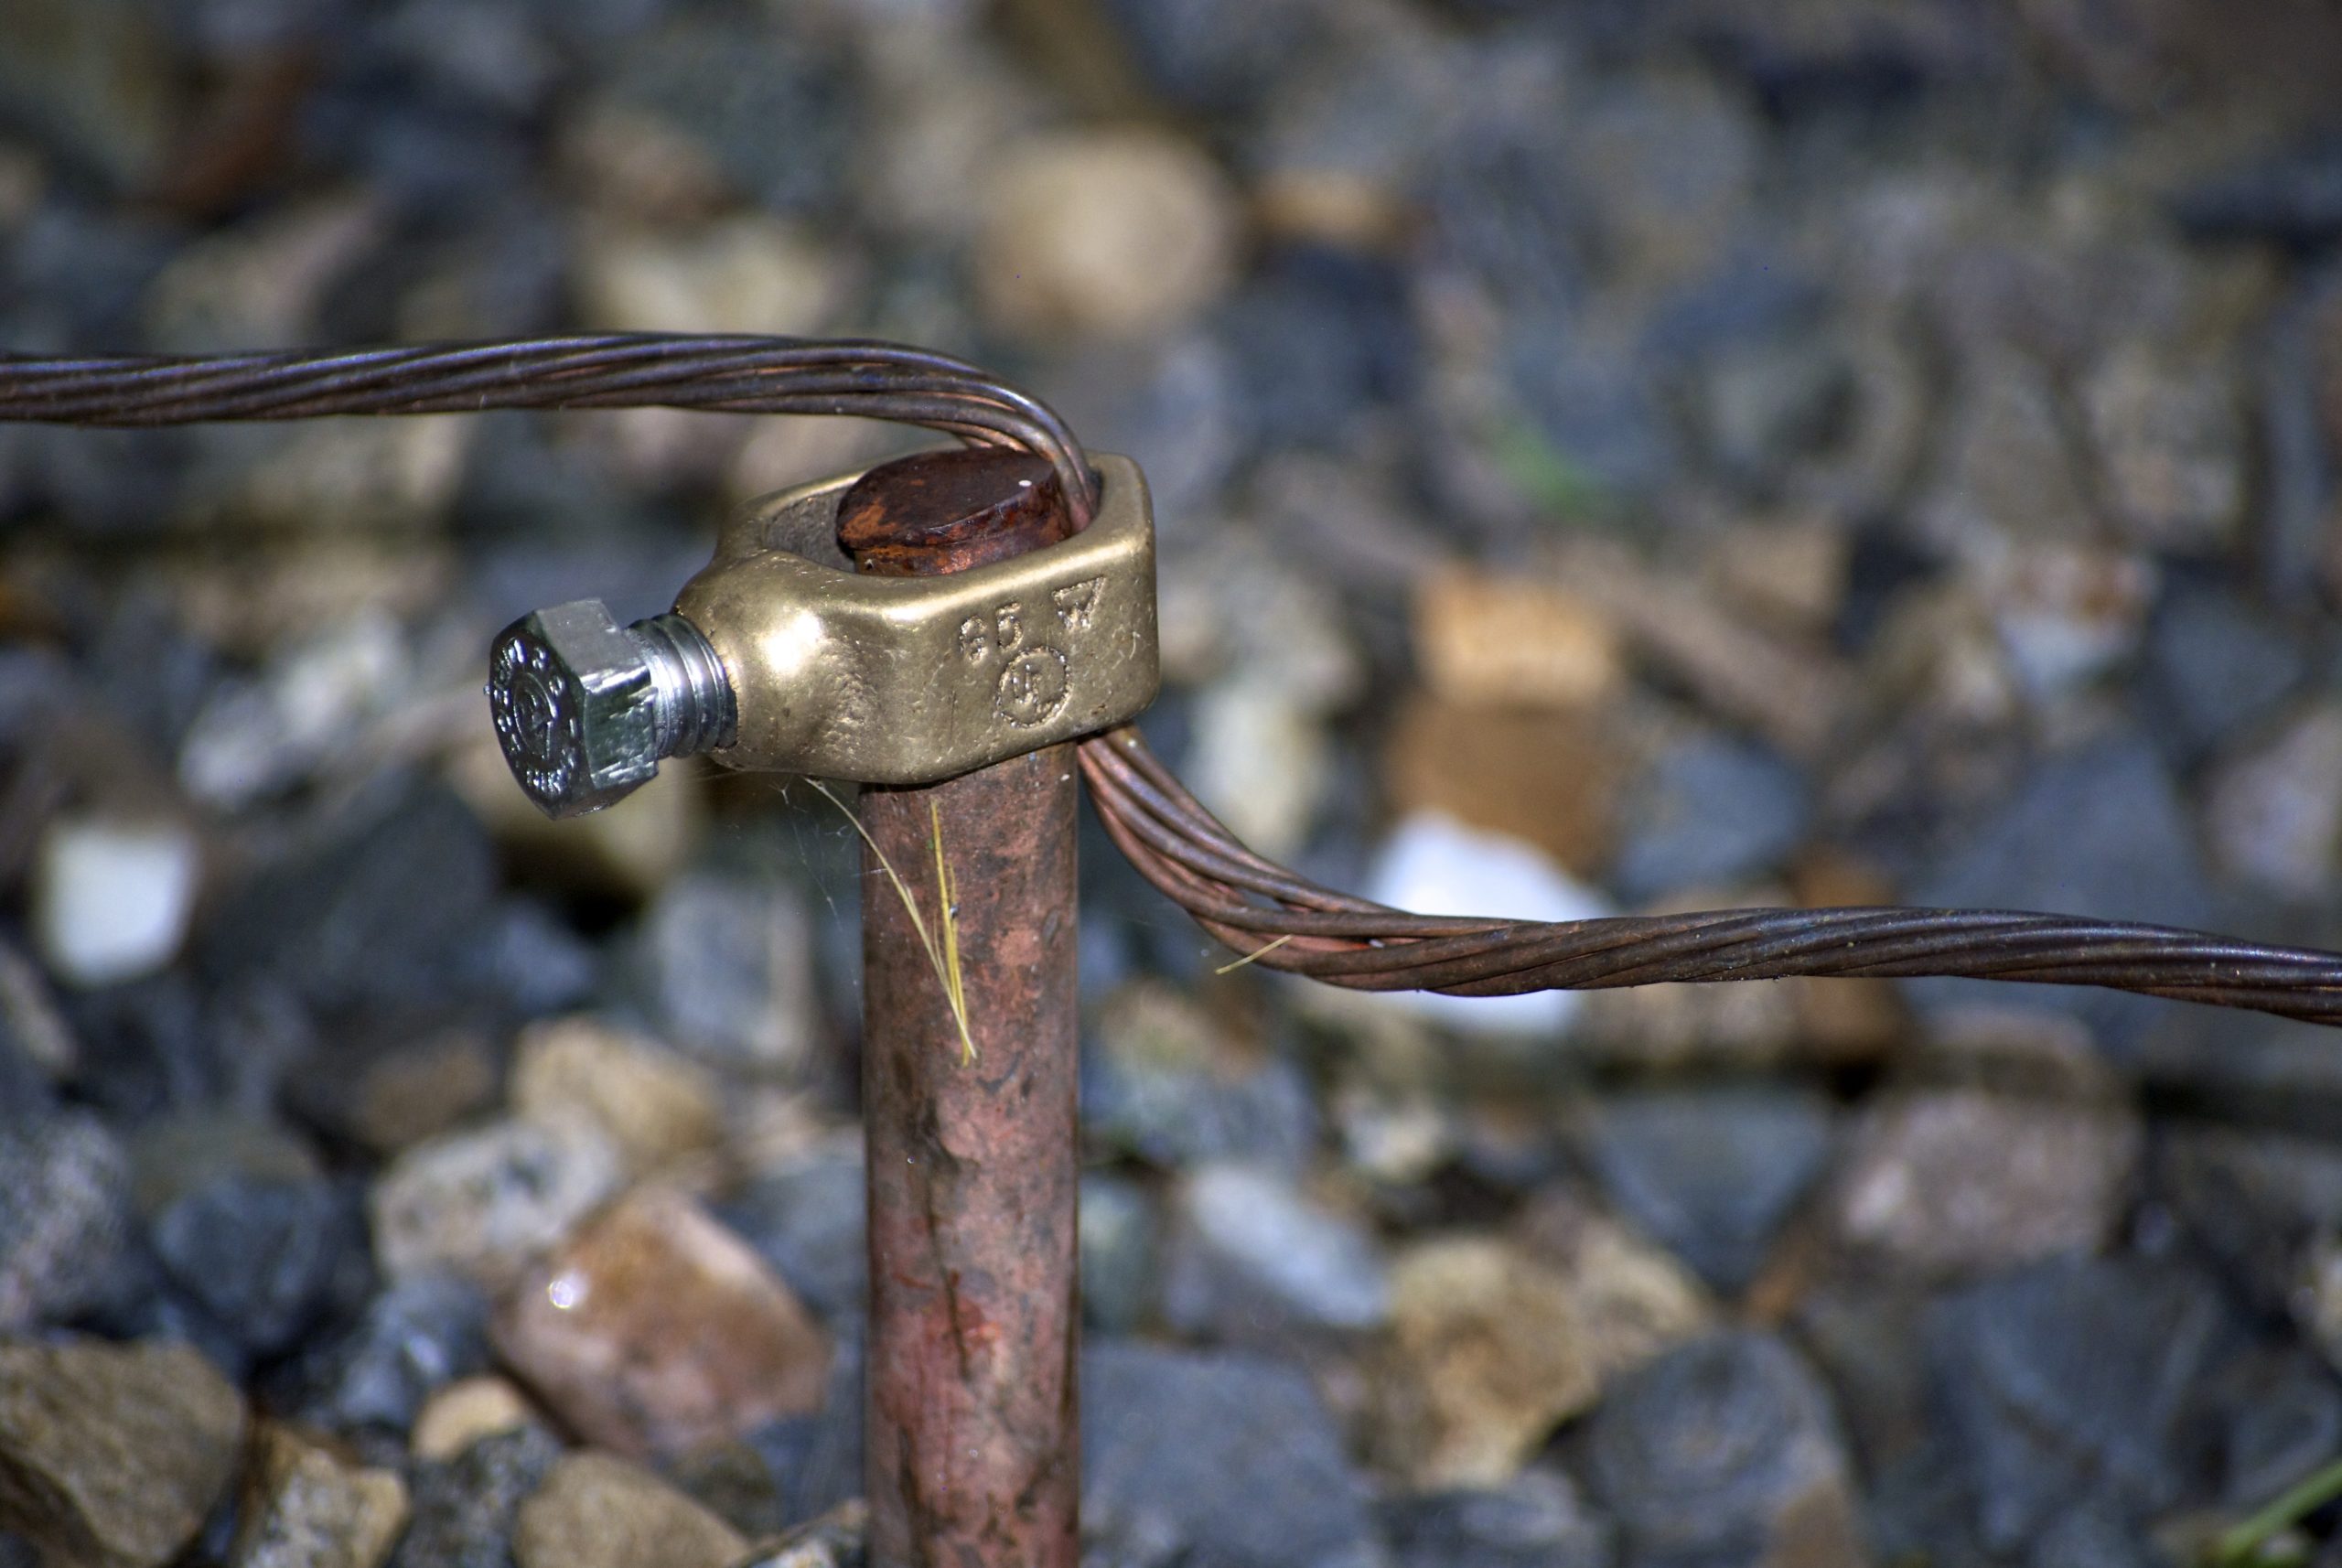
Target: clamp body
point(780, 658)
point(909, 680)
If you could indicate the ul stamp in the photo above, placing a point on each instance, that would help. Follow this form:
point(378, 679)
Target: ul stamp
point(1035, 674)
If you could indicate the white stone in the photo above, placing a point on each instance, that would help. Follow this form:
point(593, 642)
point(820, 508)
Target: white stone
point(112, 897)
point(1433, 864)
point(1252, 1251)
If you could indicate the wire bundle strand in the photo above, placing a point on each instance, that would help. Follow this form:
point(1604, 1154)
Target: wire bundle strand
point(1279, 919)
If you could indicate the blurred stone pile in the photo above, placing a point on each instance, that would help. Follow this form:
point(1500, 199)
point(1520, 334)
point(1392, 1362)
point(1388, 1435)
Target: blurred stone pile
point(1607, 457)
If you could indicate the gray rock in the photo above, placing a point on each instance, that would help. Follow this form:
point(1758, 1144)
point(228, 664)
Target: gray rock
point(385, 907)
point(1503, 210)
point(1767, 402)
point(64, 1216)
point(1176, 400)
point(2215, 665)
point(728, 965)
point(1864, 1337)
point(1710, 1173)
point(2263, 1204)
point(1538, 1521)
point(1162, 1080)
point(244, 1223)
point(1605, 430)
point(1811, 54)
point(147, 1048)
point(1118, 1230)
point(2297, 488)
point(2100, 831)
point(114, 1455)
point(1230, 1458)
point(262, 1257)
point(1710, 812)
point(2279, 1412)
point(1920, 1511)
point(806, 1220)
point(2093, 1537)
point(724, 80)
point(464, 1509)
point(1965, 1181)
point(2272, 815)
point(487, 1200)
point(1250, 1258)
point(2067, 1384)
point(2294, 195)
point(816, 1460)
point(1316, 337)
point(1739, 1422)
point(1217, 55)
point(535, 962)
point(1668, 160)
point(416, 1336)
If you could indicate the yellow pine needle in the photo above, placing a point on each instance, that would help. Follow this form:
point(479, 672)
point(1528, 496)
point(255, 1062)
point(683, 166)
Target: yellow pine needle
point(946, 958)
point(948, 891)
point(1255, 953)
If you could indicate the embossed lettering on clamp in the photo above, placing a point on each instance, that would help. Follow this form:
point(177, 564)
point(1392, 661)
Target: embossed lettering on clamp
point(780, 658)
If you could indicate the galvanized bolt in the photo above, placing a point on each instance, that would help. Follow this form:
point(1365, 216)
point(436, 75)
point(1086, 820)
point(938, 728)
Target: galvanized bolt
point(585, 709)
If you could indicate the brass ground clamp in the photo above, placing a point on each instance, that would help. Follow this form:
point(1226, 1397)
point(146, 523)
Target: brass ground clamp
point(780, 658)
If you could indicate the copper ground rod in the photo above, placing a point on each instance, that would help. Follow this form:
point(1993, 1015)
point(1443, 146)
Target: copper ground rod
point(973, 1448)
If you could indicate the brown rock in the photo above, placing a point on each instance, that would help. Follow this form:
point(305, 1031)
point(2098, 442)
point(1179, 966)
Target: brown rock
point(655, 1330)
point(305, 1508)
point(113, 1456)
point(1844, 1020)
point(1119, 234)
point(596, 1511)
point(1510, 642)
point(1790, 573)
point(463, 1412)
point(1486, 1358)
point(1632, 1300)
point(1788, 690)
point(1966, 1181)
point(655, 1107)
point(1548, 778)
point(420, 1090)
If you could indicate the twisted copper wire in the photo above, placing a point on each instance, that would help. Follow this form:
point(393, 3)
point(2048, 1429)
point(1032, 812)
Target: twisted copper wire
point(1253, 905)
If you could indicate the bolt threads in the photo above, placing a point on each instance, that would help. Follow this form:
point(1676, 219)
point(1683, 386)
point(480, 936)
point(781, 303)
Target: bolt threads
point(692, 701)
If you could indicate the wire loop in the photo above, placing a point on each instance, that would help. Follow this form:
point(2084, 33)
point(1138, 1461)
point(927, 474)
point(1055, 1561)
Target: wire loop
point(1278, 917)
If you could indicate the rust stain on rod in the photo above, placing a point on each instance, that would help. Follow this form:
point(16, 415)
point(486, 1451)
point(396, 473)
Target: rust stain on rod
point(972, 1456)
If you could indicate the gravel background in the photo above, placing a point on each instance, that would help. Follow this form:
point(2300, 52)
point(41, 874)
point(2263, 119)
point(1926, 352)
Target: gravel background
point(1607, 456)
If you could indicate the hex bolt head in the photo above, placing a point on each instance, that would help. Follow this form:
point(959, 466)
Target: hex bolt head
point(575, 703)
